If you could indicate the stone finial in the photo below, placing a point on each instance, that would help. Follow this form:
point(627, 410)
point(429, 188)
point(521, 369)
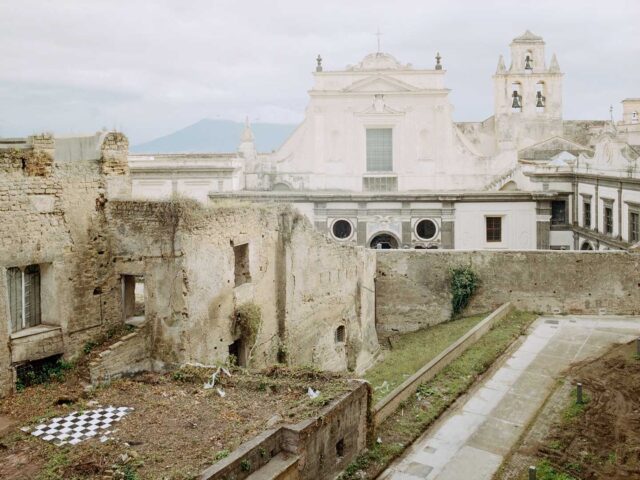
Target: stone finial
point(319, 63)
point(501, 67)
point(247, 133)
point(554, 67)
point(438, 58)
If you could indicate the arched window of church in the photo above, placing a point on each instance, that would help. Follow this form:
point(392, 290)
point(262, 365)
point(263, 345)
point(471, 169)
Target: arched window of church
point(541, 100)
point(634, 117)
point(528, 62)
point(516, 97)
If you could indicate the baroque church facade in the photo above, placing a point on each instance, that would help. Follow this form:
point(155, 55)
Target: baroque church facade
point(378, 161)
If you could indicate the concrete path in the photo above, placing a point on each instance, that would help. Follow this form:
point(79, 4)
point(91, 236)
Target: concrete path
point(471, 441)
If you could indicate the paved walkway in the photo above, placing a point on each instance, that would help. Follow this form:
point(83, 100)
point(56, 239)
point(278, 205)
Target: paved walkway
point(471, 441)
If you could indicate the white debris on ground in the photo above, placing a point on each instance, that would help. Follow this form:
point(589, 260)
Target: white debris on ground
point(211, 383)
point(313, 393)
point(79, 426)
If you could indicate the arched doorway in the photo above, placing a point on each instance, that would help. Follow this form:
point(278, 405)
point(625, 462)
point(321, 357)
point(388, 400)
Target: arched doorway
point(384, 241)
point(586, 246)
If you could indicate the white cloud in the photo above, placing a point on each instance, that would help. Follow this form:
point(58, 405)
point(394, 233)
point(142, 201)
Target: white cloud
point(154, 66)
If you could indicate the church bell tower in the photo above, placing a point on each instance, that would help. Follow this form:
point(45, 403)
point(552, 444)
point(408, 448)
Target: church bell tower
point(527, 95)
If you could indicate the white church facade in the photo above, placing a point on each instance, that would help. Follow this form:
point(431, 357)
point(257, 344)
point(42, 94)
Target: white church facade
point(379, 161)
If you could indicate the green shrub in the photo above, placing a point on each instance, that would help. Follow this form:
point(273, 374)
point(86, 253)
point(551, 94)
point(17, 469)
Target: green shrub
point(464, 282)
point(248, 318)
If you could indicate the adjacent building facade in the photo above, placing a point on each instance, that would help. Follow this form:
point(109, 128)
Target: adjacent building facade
point(378, 160)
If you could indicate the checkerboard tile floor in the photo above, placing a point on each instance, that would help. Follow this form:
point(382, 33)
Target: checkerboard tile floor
point(79, 426)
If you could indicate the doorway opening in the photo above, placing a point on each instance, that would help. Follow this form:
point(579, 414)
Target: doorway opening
point(384, 241)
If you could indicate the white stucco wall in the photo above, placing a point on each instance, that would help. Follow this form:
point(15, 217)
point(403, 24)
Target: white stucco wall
point(518, 225)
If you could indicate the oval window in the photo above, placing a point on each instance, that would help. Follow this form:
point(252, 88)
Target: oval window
point(426, 229)
point(342, 229)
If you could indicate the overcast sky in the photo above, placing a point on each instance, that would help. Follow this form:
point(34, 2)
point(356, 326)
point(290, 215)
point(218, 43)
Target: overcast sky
point(151, 67)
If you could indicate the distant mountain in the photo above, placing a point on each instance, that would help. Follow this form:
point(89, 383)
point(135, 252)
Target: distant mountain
point(209, 135)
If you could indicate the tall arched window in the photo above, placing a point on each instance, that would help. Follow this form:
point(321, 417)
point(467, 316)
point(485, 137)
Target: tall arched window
point(541, 100)
point(516, 97)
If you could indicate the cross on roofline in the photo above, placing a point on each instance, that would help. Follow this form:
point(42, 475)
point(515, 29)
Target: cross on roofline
point(378, 34)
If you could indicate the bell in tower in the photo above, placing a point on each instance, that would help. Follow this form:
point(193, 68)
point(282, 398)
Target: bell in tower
point(517, 101)
point(528, 63)
point(539, 100)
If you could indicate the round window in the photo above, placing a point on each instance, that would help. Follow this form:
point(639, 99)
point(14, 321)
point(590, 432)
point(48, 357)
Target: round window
point(426, 229)
point(342, 229)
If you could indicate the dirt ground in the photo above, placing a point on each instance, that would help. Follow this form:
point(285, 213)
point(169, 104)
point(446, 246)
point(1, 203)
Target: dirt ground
point(599, 440)
point(177, 427)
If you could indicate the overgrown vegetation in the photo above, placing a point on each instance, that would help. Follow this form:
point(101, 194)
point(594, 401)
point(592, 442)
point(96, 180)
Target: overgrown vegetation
point(464, 283)
point(414, 416)
point(41, 373)
point(247, 322)
point(412, 351)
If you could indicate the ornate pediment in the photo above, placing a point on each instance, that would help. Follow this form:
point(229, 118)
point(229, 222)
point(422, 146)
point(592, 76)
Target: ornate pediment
point(380, 84)
point(547, 149)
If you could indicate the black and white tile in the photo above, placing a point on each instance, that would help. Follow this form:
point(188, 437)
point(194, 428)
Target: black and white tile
point(79, 426)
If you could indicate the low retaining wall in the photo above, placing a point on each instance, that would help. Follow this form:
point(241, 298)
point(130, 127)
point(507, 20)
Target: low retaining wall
point(130, 354)
point(413, 287)
point(408, 388)
point(324, 445)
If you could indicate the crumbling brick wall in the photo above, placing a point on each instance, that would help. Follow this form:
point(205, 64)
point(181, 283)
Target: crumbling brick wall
point(49, 217)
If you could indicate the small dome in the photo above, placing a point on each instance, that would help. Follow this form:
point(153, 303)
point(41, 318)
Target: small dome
point(379, 61)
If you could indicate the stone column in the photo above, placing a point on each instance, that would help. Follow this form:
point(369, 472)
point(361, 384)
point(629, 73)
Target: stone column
point(406, 224)
point(543, 224)
point(362, 224)
point(447, 232)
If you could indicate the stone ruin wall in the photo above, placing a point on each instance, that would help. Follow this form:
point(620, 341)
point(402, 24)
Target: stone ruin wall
point(186, 253)
point(48, 216)
point(413, 289)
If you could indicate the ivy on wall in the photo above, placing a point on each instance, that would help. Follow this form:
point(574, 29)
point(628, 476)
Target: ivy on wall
point(464, 283)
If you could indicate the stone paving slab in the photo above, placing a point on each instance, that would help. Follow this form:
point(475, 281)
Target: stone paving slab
point(473, 439)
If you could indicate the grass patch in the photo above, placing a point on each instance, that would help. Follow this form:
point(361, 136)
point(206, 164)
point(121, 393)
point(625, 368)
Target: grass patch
point(575, 409)
point(412, 350)
point(545, 471)
point(414, 416)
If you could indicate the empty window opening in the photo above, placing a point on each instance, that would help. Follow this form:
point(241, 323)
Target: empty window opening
point(340, 334)
point(494, 229)
point(586, 246)
point(384, 241)
point(242, 272)
point(133, 299)
point(342, 229)
point(24, 297)
point(541, 100)
point(39, 371)
point(516, 97)
point(426, 229)
point(558, 212)
point(634, 227)
point(237, 353)
point(634, 117)
point(586, 214)
point(379, 149)
point(340, 449)
point(608, 220)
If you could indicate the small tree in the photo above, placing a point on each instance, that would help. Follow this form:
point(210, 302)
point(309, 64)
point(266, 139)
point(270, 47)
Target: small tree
point(464, 282)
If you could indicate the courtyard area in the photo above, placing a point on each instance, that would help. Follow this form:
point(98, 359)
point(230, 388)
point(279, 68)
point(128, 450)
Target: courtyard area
point(173, 427)
point(473, 439)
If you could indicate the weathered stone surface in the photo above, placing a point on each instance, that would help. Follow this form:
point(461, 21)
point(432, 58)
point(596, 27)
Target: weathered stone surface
point(413, 287)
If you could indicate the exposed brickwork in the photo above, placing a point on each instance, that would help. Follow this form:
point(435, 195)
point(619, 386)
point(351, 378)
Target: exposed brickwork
point(48, 217)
